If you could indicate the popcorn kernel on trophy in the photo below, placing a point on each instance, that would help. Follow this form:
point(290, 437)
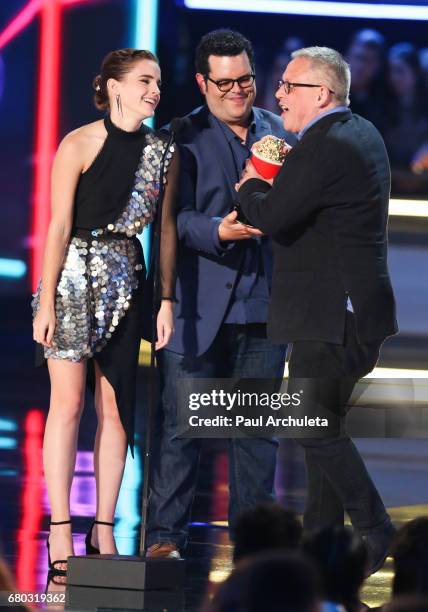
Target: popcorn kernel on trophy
point(268, 155)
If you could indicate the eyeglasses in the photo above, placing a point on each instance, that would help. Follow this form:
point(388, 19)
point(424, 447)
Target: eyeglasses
point(225, 85)
point(288, 87)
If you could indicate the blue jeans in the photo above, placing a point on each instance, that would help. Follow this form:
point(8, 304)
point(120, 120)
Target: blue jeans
point(238, 351)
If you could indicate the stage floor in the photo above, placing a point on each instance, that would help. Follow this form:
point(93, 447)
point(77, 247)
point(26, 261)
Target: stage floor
point(398, 466)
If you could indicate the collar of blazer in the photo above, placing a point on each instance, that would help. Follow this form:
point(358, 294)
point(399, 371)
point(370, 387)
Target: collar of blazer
point(325, 122)
point(206, 130)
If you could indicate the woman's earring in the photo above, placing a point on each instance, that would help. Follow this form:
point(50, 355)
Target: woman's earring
point(119, 105)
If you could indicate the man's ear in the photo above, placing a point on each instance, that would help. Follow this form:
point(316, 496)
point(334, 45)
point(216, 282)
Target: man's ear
point(201, 83)
point(323, 97)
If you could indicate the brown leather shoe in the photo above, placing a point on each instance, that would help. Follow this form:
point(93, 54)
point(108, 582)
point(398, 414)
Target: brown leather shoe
point(163, 550)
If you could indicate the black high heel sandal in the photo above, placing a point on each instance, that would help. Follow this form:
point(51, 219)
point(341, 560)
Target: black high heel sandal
point(90, 548)
point(55, 571)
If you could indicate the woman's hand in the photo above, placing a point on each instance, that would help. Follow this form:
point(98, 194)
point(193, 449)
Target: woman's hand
point(44, 325)
point(164, 324)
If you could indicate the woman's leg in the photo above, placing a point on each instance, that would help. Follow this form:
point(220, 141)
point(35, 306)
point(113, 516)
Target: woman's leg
point(60, 447)
point(109, 461)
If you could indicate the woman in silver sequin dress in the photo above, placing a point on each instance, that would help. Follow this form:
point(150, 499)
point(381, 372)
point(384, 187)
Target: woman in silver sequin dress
point(90, 304)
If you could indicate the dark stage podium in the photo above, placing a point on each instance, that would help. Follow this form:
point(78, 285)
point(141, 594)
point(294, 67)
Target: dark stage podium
point(124, 582)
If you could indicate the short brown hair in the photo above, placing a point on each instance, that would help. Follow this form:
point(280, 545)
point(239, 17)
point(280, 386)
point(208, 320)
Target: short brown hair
point(114, 66)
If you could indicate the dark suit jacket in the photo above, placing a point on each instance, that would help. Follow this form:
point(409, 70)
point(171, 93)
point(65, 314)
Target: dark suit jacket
point(327, 212)
point(206, 272)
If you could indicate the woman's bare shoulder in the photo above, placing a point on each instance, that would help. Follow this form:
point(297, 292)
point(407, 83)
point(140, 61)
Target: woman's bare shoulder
point(80, 144)
point(87, 134)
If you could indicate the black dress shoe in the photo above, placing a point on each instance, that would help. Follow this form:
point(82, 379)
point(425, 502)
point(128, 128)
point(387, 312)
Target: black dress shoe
point(378, 545)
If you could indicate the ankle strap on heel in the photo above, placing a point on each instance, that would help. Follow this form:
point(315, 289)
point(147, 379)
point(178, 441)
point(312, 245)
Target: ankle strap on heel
point(103, 523)
point(61, 522)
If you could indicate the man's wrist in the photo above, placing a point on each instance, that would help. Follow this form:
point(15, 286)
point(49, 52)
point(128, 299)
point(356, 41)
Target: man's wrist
point(220, 244)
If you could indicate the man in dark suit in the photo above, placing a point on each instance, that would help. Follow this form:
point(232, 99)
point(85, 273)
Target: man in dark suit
point(331, 297)
point(223, 290)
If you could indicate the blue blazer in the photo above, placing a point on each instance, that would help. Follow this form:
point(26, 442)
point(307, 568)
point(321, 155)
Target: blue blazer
point(206, 270)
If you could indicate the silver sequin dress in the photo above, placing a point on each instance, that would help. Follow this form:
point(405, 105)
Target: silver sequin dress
point(102, 290)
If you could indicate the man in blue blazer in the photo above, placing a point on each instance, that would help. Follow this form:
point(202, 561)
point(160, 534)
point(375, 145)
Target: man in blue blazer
point(224, 273)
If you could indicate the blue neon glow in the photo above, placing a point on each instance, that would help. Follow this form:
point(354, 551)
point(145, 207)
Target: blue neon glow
point(145, 36)
point(8, 473)
point(322, 8)
point(7, 443)
point(128, 511)
point(8, 425)
point(145, 29)
point(12, 268)
point(146, 24)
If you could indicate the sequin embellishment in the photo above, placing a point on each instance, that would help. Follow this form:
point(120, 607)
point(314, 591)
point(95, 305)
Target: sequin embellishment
point(100, 274)
point(141, 207)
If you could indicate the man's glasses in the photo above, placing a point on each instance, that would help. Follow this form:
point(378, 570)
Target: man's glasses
point(288, 87)
point(225, 85)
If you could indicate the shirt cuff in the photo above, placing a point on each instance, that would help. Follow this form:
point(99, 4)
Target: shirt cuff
point(220, 247)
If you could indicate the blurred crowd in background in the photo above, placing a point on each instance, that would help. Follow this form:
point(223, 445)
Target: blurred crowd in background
point(390, 88)
point(280, 569)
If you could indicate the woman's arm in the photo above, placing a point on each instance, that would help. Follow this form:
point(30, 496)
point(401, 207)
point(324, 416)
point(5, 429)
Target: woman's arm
point(168, 254)
point(67, 167)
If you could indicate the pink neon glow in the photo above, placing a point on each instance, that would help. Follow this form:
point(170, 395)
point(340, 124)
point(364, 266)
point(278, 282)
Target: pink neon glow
point(70, 2)
point(47, 114)
point(19, 22)
point(25, 17)
point(46, 129)
point(31, 501)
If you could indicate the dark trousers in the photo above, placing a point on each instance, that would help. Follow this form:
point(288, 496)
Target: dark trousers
point(240, 351)
point(337, 477)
